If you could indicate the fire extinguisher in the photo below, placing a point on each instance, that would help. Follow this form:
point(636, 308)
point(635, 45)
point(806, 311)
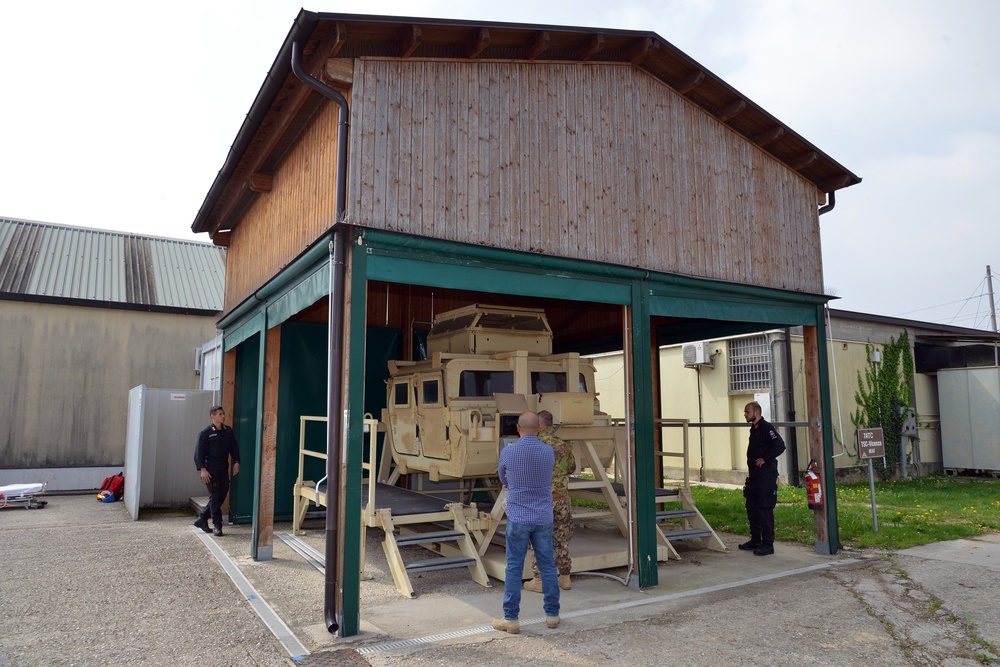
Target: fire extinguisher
point(814, 494)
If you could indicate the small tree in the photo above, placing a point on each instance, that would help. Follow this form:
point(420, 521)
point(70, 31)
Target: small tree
point(885, 390)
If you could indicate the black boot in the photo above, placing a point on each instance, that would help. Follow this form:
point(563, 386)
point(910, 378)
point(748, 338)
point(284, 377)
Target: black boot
point(754, 543)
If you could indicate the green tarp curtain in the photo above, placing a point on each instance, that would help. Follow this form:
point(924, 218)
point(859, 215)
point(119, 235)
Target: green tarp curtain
point(310, 289)
point(250, 326)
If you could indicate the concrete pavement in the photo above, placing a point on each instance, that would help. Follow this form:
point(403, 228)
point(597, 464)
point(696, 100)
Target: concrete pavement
point(84, 585)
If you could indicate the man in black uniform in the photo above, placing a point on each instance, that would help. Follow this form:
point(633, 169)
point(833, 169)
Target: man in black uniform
point(761, 490)
point(211, 457)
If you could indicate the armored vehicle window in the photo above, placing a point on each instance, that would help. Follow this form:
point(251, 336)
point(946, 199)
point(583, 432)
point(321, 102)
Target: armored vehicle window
point(543, 382)
point(431, 392)
point(485, 383)
point(512, 322)
point(401, 394)
point(583, 383)
point(456, 324)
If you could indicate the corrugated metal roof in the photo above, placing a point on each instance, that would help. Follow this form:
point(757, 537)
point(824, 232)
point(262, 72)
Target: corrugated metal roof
point(56, 262)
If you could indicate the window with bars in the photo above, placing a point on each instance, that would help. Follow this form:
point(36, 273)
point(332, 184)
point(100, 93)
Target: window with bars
point(749, 365)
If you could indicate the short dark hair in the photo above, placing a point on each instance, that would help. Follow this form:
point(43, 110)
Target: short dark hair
point(214, 409)
point(544, 419)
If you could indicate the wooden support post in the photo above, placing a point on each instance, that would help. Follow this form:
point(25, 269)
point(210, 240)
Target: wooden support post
point(814, 408)
point(269, 445)
point(228, 399)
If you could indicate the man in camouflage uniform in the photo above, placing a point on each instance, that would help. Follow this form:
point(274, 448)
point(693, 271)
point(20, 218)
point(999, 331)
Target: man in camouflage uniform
point(562, 518)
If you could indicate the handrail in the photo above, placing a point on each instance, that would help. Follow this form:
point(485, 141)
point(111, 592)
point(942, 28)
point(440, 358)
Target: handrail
point(303, 452)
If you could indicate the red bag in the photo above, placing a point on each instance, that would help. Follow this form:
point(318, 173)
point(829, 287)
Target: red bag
point(116, 485)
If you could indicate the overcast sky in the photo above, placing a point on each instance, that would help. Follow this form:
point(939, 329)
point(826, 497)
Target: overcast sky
point(119, 115)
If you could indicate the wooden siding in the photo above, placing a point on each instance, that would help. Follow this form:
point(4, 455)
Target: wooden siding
point(282, 223)
point(592, 161)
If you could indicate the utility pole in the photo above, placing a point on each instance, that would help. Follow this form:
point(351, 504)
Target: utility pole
point(993, 315)
point(993, 308)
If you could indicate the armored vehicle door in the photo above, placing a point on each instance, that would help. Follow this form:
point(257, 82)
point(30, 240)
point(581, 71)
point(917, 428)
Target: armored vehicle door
point(432, 429)
point(403, 416)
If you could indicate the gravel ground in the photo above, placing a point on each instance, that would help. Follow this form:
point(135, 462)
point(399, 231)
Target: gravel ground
point(82, 584)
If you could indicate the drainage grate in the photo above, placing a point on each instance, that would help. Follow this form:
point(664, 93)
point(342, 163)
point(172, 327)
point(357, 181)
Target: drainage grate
point(405, 643)
point(345, 657)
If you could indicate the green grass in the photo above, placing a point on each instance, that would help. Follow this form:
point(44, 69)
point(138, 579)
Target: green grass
point(910, 512)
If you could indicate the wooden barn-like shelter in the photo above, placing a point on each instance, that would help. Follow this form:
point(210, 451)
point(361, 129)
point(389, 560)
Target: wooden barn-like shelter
point(391, 169)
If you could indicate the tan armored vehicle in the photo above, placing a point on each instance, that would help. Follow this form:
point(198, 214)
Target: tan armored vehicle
point(450, 415)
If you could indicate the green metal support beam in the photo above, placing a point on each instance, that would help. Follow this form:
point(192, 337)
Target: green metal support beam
point(354, 452)
point(833, 527)
point(642, 427)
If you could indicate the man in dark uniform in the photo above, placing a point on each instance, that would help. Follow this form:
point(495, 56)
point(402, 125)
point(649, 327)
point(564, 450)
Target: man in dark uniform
point(761, 490)
point(211, 457)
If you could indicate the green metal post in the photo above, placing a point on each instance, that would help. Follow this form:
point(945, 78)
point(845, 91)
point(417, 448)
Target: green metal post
point(833, 527)
point(645, 461)
point(354, 451)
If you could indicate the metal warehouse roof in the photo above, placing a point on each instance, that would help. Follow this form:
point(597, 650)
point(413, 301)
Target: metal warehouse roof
point(56, 263)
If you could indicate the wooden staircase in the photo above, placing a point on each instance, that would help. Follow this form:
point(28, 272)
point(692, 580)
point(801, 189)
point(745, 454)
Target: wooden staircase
point(452, 549)
point(673, 524)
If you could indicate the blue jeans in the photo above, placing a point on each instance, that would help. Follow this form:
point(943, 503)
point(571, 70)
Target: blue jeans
point(519, 535)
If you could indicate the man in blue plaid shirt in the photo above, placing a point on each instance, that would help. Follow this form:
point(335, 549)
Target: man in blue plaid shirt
point(525, 469)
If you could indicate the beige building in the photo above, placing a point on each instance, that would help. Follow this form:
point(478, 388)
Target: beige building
point(740, 369)
point(86, 315)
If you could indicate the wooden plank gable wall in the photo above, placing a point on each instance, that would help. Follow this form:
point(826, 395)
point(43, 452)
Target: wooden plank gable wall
point(595, 161)
point(299, 207)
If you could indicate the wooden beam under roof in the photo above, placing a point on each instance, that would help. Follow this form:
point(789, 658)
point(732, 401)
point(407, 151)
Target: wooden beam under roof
point(409, 41)
point(538, 45)
point(590, 46)
point(339, 73)
point(690, 83)
point(477, 43)
point(804, 160)
point(643, 48)
point(337, 39)
point(260, 182)
point(733, 110)
point(770, 136)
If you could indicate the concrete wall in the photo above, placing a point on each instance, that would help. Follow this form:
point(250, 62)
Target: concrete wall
point(67, 371)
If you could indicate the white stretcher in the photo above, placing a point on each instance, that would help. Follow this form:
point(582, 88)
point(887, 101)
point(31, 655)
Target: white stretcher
point(22, 495)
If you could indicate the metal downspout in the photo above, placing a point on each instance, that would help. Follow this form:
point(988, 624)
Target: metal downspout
point(333, 607)
point(831, 202)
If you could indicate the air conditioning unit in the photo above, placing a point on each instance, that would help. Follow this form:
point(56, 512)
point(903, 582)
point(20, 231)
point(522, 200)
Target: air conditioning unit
point(697, 354)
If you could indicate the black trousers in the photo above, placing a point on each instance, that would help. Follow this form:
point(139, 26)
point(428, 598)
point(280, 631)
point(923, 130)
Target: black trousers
point(218, 489)
point(762, 496)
